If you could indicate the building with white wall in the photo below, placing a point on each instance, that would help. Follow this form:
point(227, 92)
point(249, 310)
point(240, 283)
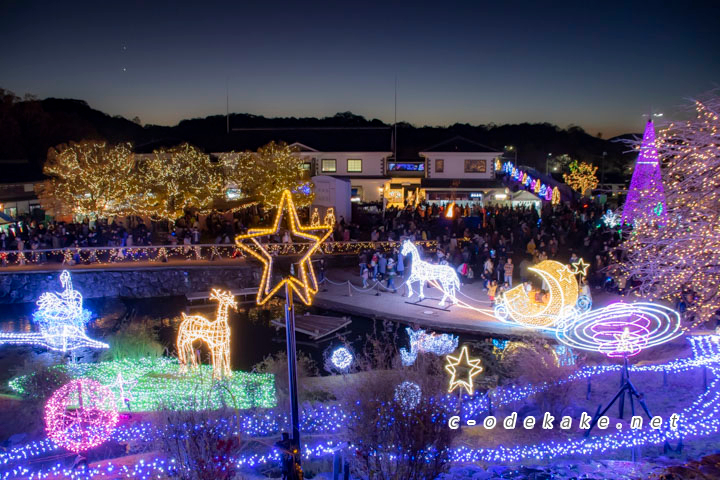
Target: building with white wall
point(332, 192)
point(364, 170)
point(461, 170)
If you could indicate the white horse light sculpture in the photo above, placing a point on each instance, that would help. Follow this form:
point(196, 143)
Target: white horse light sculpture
point(422, 271)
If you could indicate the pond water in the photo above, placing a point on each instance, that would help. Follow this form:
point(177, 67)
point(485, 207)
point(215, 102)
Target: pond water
point(252, 335)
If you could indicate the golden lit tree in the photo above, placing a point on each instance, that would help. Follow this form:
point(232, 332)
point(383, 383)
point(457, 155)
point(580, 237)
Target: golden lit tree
point(265, 174)
point(176, 179)
point(88, 178)
point(582, 177)
point(678, 250)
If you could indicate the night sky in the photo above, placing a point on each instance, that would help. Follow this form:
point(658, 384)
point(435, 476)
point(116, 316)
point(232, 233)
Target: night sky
point(600, 67)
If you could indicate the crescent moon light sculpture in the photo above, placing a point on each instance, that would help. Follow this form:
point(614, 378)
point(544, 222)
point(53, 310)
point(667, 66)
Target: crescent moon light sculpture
point(562, 286)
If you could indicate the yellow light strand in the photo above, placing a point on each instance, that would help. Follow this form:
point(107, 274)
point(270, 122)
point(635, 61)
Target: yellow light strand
point(462, 360)
point(304, 284)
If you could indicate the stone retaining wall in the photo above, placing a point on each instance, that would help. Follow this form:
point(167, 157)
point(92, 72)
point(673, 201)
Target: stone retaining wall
point(155, 282)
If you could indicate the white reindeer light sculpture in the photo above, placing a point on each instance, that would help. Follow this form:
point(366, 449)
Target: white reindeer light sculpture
point(422, 271)
point(216, 334)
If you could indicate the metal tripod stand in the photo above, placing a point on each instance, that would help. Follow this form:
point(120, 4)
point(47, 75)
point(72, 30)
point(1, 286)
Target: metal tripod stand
point(626, 386)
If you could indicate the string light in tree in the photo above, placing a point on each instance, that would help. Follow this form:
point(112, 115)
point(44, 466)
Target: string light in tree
point(408, 395)
point(582, 177)
point(423, 342)
point(471, 366)
point(175, 179)
point(81, 415)
point(216, 334)
point(621, 329)
point(421, 271)
point(89, 178)
point(678, 251)
point(267, 173)
point(303, 283)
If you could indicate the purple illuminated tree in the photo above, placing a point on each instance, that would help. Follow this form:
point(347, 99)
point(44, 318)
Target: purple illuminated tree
point(646, 192)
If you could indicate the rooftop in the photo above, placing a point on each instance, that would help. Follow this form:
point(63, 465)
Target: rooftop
point(460, 144)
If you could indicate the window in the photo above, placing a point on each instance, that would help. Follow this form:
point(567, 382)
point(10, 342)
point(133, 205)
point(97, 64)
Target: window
point(439, 165)
point(329, 165)
point(475, 166)
point(306, 166)
point(354, 165)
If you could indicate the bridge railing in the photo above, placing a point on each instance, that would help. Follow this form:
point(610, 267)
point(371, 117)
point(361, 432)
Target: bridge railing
point(159, 254)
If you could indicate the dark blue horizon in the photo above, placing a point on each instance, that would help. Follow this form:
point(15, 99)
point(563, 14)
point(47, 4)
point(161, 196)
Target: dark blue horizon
point(600, 67)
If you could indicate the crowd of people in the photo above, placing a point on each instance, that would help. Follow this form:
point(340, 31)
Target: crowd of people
point(31, 234)
point(495, 245)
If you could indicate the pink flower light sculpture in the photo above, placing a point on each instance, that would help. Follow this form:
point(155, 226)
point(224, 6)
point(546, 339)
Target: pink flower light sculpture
point(80, 415)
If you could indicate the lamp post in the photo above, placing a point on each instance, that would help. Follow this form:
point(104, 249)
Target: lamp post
point(547, 159)
point(382, 196)
point(292, 368)
point(511, 148)
point(301, 282)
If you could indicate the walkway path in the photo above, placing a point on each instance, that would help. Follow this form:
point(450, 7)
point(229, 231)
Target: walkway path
point(335, 295)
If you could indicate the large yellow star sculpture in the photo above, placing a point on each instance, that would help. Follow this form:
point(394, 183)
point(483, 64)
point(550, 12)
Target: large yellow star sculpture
point(303, 283)
point(473, 366)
